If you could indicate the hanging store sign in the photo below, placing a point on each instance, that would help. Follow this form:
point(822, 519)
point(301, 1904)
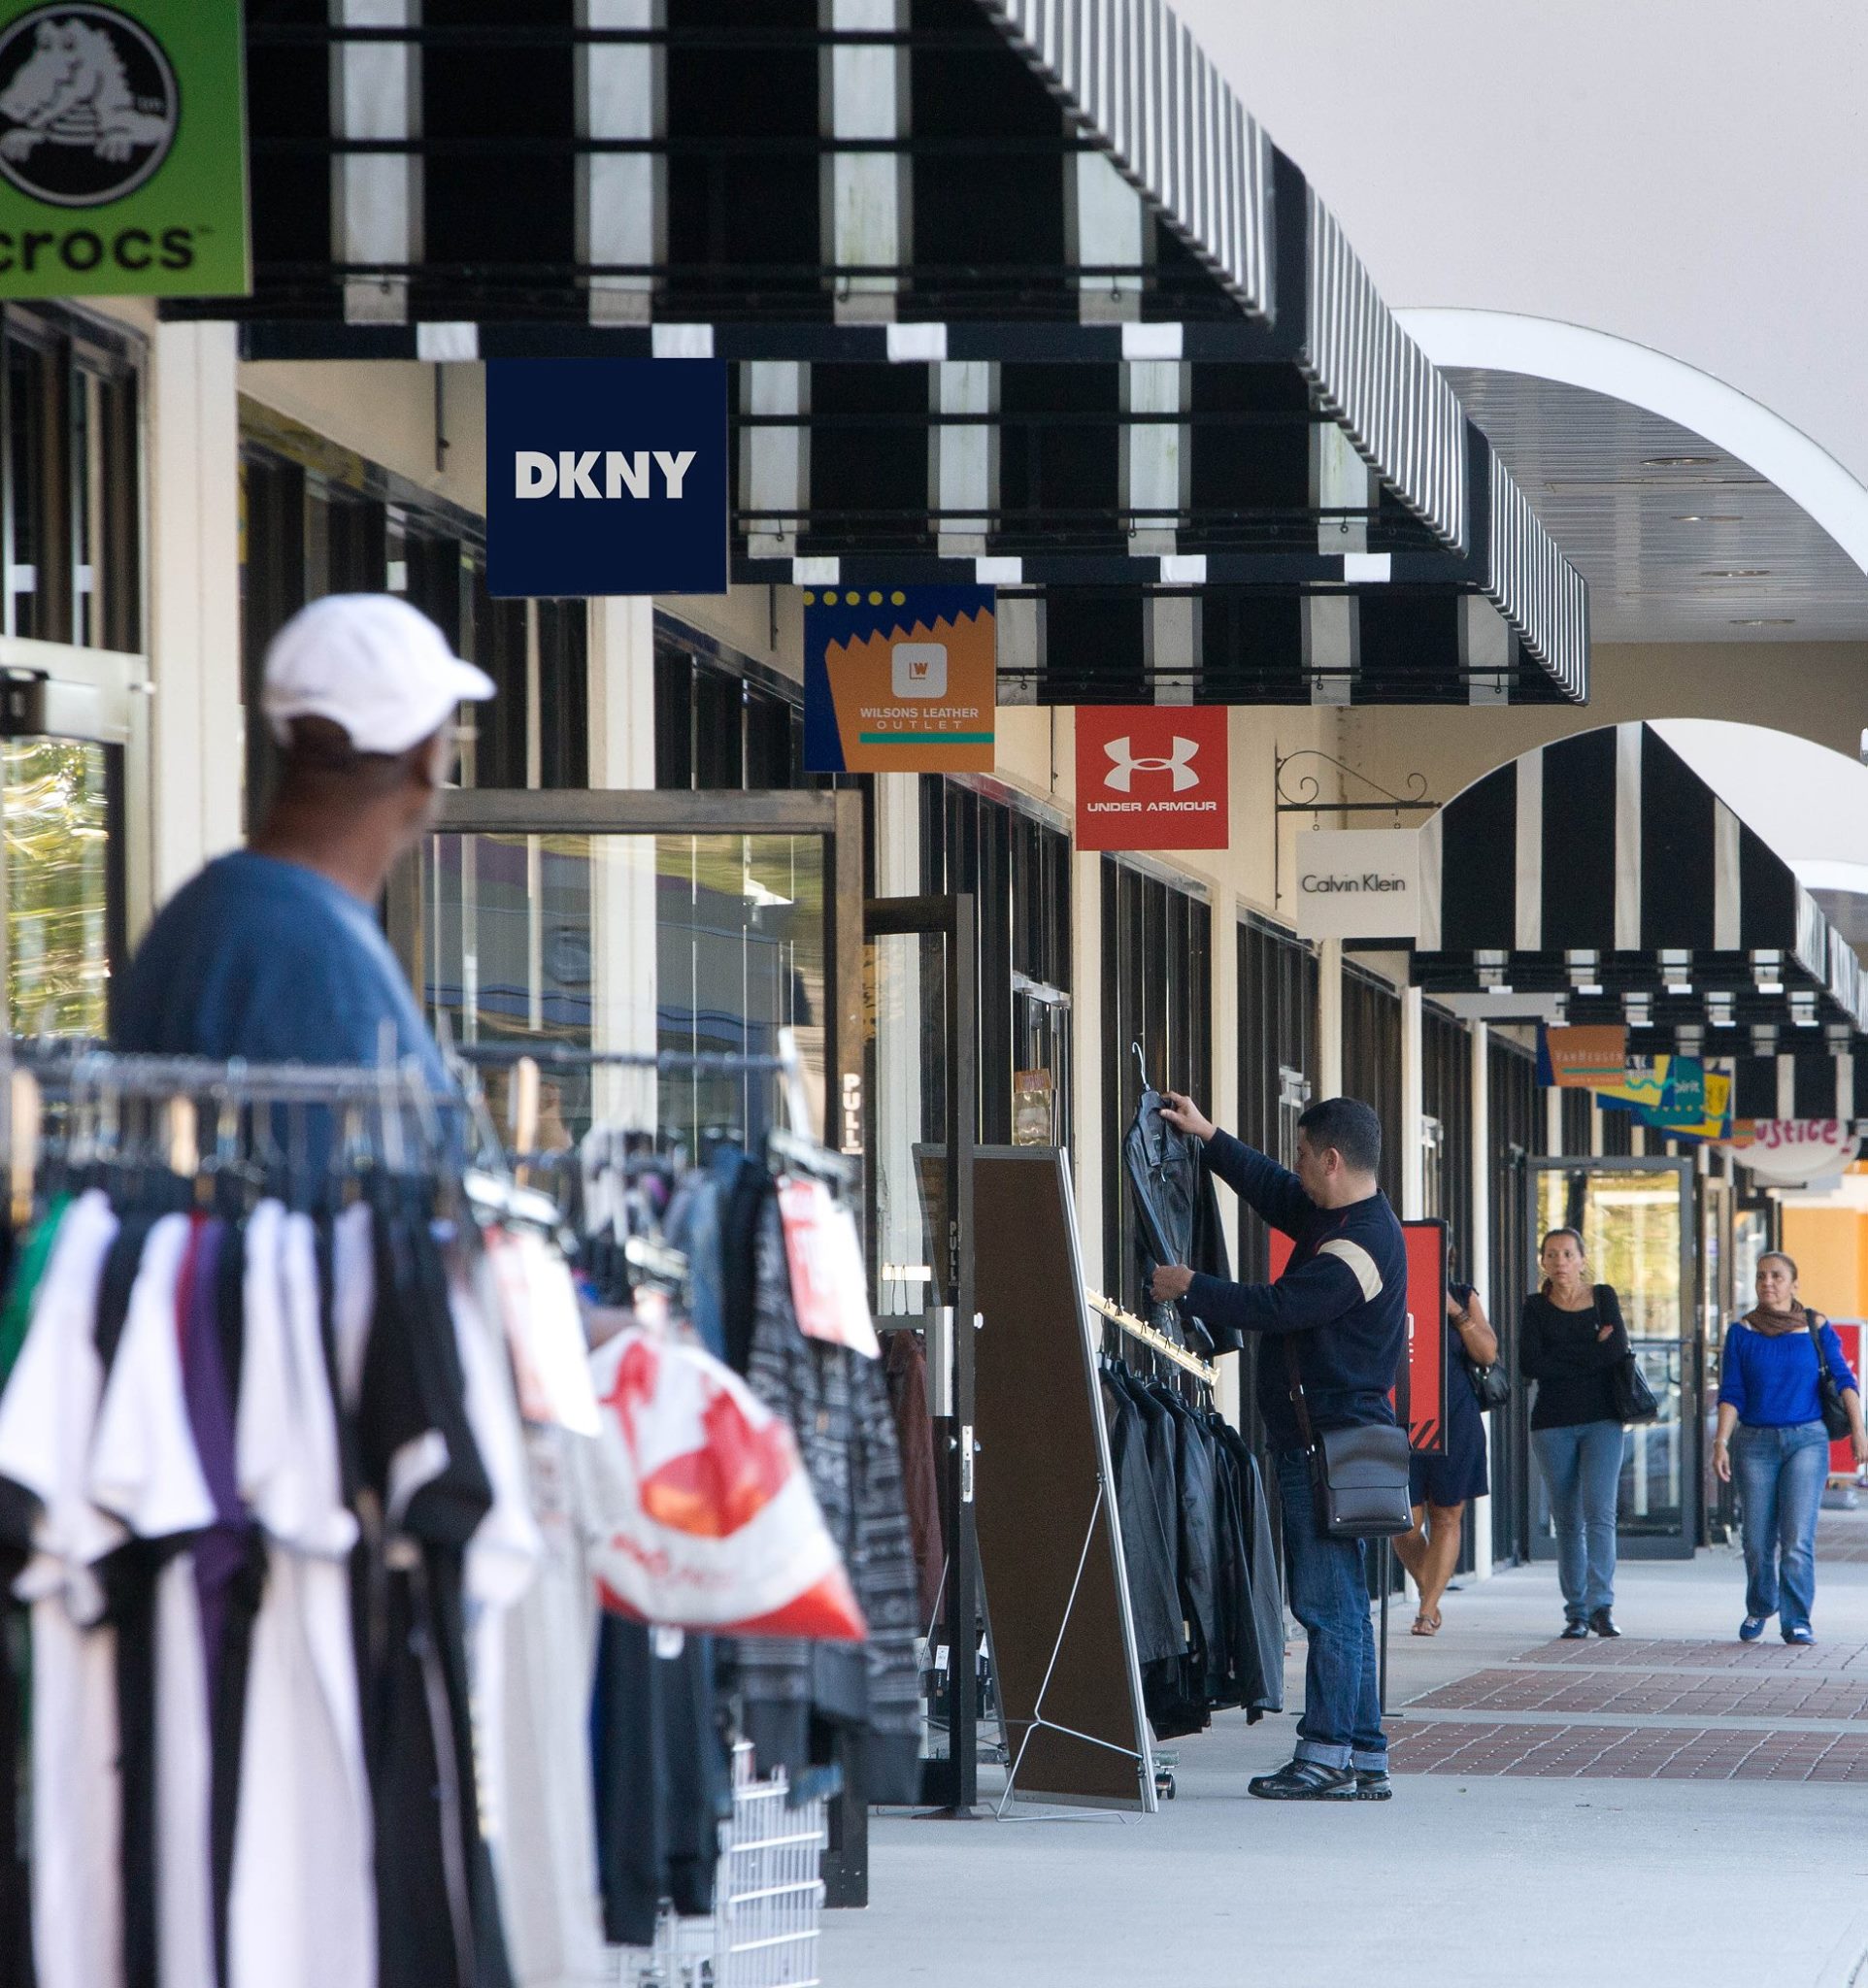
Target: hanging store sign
point(1583, 1058)
point(899, 680)
point(1792, 1152)
point(606, 477)
point(122, 149)
point(1152, 777)
point(1673, 1094)
point(1358, 883)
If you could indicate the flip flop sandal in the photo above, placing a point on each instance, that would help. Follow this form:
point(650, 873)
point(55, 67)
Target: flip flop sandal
point(1426, 1625)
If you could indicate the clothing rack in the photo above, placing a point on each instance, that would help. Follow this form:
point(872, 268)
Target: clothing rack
point(1126, 1321)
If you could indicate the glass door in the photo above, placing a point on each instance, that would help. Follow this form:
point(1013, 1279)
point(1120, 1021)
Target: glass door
point(923, 1123)
point(1637, 1222)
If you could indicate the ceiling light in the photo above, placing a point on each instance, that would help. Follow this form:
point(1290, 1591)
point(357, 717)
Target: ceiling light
point(1677, 462)
point(1708, 517)
point(1680, 986)
point(1764, 621)
point(1770, 987)
point(1734, 573)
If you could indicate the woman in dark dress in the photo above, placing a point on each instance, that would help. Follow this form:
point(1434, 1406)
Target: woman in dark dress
point(1441, 1485)
point(1570, 1340)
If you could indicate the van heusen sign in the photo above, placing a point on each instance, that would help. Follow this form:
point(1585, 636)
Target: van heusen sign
point(1357, 884)
point(606, 477)
point(122, 149)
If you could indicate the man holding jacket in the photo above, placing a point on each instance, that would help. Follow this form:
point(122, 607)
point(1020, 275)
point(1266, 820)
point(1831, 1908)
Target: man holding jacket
point(1344, 1301)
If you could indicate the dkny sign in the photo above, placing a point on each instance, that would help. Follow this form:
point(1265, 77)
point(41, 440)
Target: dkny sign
point(1358, 883)
point(606, 477)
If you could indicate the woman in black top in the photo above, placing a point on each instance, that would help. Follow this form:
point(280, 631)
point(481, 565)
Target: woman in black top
point(1571, 1337)
point(1438, 1486)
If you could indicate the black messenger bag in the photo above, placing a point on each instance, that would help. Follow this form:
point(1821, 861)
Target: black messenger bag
point(1359, 1476)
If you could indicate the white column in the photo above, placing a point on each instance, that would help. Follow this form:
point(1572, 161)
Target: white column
point(621, 649)
point(376, 197)
point(1475, 1252)
point(1329, 1019)
point(1552, 1120)
point(1086, 1057)
point(1413, 1157)
point(622, 197)
point(1222, 1107)
point(900, 1223)
point(197, 744)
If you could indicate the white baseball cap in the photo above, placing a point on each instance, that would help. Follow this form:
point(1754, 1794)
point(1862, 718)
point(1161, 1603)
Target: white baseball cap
point(372, 664)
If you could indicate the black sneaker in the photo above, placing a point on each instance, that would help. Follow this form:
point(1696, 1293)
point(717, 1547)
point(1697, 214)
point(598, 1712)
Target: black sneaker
point(1306, 1780)
point(1603, 1623)
point(1372, 1784)
point(1575, 1631)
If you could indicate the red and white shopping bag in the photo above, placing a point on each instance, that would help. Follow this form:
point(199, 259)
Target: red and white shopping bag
point(709, 1521)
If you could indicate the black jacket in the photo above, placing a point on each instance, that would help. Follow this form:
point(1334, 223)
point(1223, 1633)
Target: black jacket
point(1177, 1214)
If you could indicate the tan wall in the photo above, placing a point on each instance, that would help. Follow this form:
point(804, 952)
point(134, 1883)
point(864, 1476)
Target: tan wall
point(1817, 689)
point(1830, 1246)
point(385, 409)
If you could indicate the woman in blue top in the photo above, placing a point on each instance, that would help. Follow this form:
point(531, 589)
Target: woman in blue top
point(1770, 1430)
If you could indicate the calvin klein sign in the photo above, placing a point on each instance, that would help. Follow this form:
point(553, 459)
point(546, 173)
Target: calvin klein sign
point(1358, 883)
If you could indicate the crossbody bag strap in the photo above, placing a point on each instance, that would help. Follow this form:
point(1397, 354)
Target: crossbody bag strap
point(1815, 1321)
point(1299, 1400)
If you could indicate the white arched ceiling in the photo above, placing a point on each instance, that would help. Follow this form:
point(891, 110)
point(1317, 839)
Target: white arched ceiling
point(1574, 355)
point(1695, 513)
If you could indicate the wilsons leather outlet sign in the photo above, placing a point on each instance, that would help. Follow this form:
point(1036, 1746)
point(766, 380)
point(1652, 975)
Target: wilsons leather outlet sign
point(899, 678)
point(1151, 776)
point(122, 149)
point(1357, 884)
point(606, 477)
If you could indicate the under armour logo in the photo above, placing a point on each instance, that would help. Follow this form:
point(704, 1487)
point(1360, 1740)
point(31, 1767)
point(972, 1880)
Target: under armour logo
point(1124, 766)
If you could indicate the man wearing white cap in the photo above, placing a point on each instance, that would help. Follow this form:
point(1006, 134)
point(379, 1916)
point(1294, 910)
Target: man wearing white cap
point(274, 954)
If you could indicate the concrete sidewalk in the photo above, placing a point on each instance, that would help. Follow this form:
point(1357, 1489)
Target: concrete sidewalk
point(1542, 1860)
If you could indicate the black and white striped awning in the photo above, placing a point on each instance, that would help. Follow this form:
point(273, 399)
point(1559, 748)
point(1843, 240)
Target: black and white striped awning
point(1012, 285)
point(1604, 869)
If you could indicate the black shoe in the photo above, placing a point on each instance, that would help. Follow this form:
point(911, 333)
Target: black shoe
point(1575, 1631)
point(1306, 1780)
point(1603, 1623)
point(1372, 1784)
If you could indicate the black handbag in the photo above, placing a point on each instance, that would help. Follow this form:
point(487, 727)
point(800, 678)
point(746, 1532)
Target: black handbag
point(1835, 1411)
point(1359, 1476)
point(1628, 1389)
point(1492, 1385)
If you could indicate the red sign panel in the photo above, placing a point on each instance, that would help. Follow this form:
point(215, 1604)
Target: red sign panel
point(1421, 1388)
point(1842, 1455)
point(1151, 776)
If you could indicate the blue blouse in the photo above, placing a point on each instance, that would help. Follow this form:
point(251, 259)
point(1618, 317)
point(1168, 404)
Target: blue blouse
point(1771, 1379)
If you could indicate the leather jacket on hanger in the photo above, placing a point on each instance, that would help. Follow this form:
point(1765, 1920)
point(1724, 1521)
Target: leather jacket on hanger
point(1177, 1214)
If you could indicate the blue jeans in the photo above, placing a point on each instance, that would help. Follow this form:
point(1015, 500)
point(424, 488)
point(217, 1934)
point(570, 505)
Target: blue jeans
point(1582, 1468)
point(1781, 1475)
point(1329, 1595)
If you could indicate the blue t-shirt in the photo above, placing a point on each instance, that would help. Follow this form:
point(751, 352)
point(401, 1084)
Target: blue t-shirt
point(273, 962)
point(1771, 1378)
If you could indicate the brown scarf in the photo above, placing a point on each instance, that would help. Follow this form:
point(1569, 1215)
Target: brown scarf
point(1775, 1324)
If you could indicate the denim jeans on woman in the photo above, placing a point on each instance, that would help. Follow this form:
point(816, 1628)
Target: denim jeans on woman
point(1781, 1475)
point(1582, 1466)
point(1329, 1595)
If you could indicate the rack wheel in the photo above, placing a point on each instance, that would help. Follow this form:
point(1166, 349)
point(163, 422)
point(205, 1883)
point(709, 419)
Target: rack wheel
point(1164, 1784)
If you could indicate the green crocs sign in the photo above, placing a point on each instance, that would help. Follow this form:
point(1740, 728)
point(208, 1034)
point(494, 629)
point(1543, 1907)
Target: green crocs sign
point(122, 149)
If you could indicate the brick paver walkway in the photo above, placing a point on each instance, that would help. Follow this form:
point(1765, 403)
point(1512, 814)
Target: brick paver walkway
point(1650, 1708)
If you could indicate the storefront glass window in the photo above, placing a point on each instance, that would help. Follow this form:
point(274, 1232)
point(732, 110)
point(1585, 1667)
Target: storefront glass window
point(545, 939)
point(57, 809)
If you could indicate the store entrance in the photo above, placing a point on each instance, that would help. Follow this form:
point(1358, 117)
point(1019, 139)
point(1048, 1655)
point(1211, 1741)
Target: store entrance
point(923, 1085)
point(73, 760)
point(1637, 1219)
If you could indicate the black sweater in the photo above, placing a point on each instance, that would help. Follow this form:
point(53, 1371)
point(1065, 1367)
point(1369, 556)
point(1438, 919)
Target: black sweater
point(1559, 1351)
point(1344, 1295)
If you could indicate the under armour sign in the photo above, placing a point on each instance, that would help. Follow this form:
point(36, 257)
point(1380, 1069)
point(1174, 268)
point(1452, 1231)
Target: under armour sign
point(1151, 776)
point(606, 477)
